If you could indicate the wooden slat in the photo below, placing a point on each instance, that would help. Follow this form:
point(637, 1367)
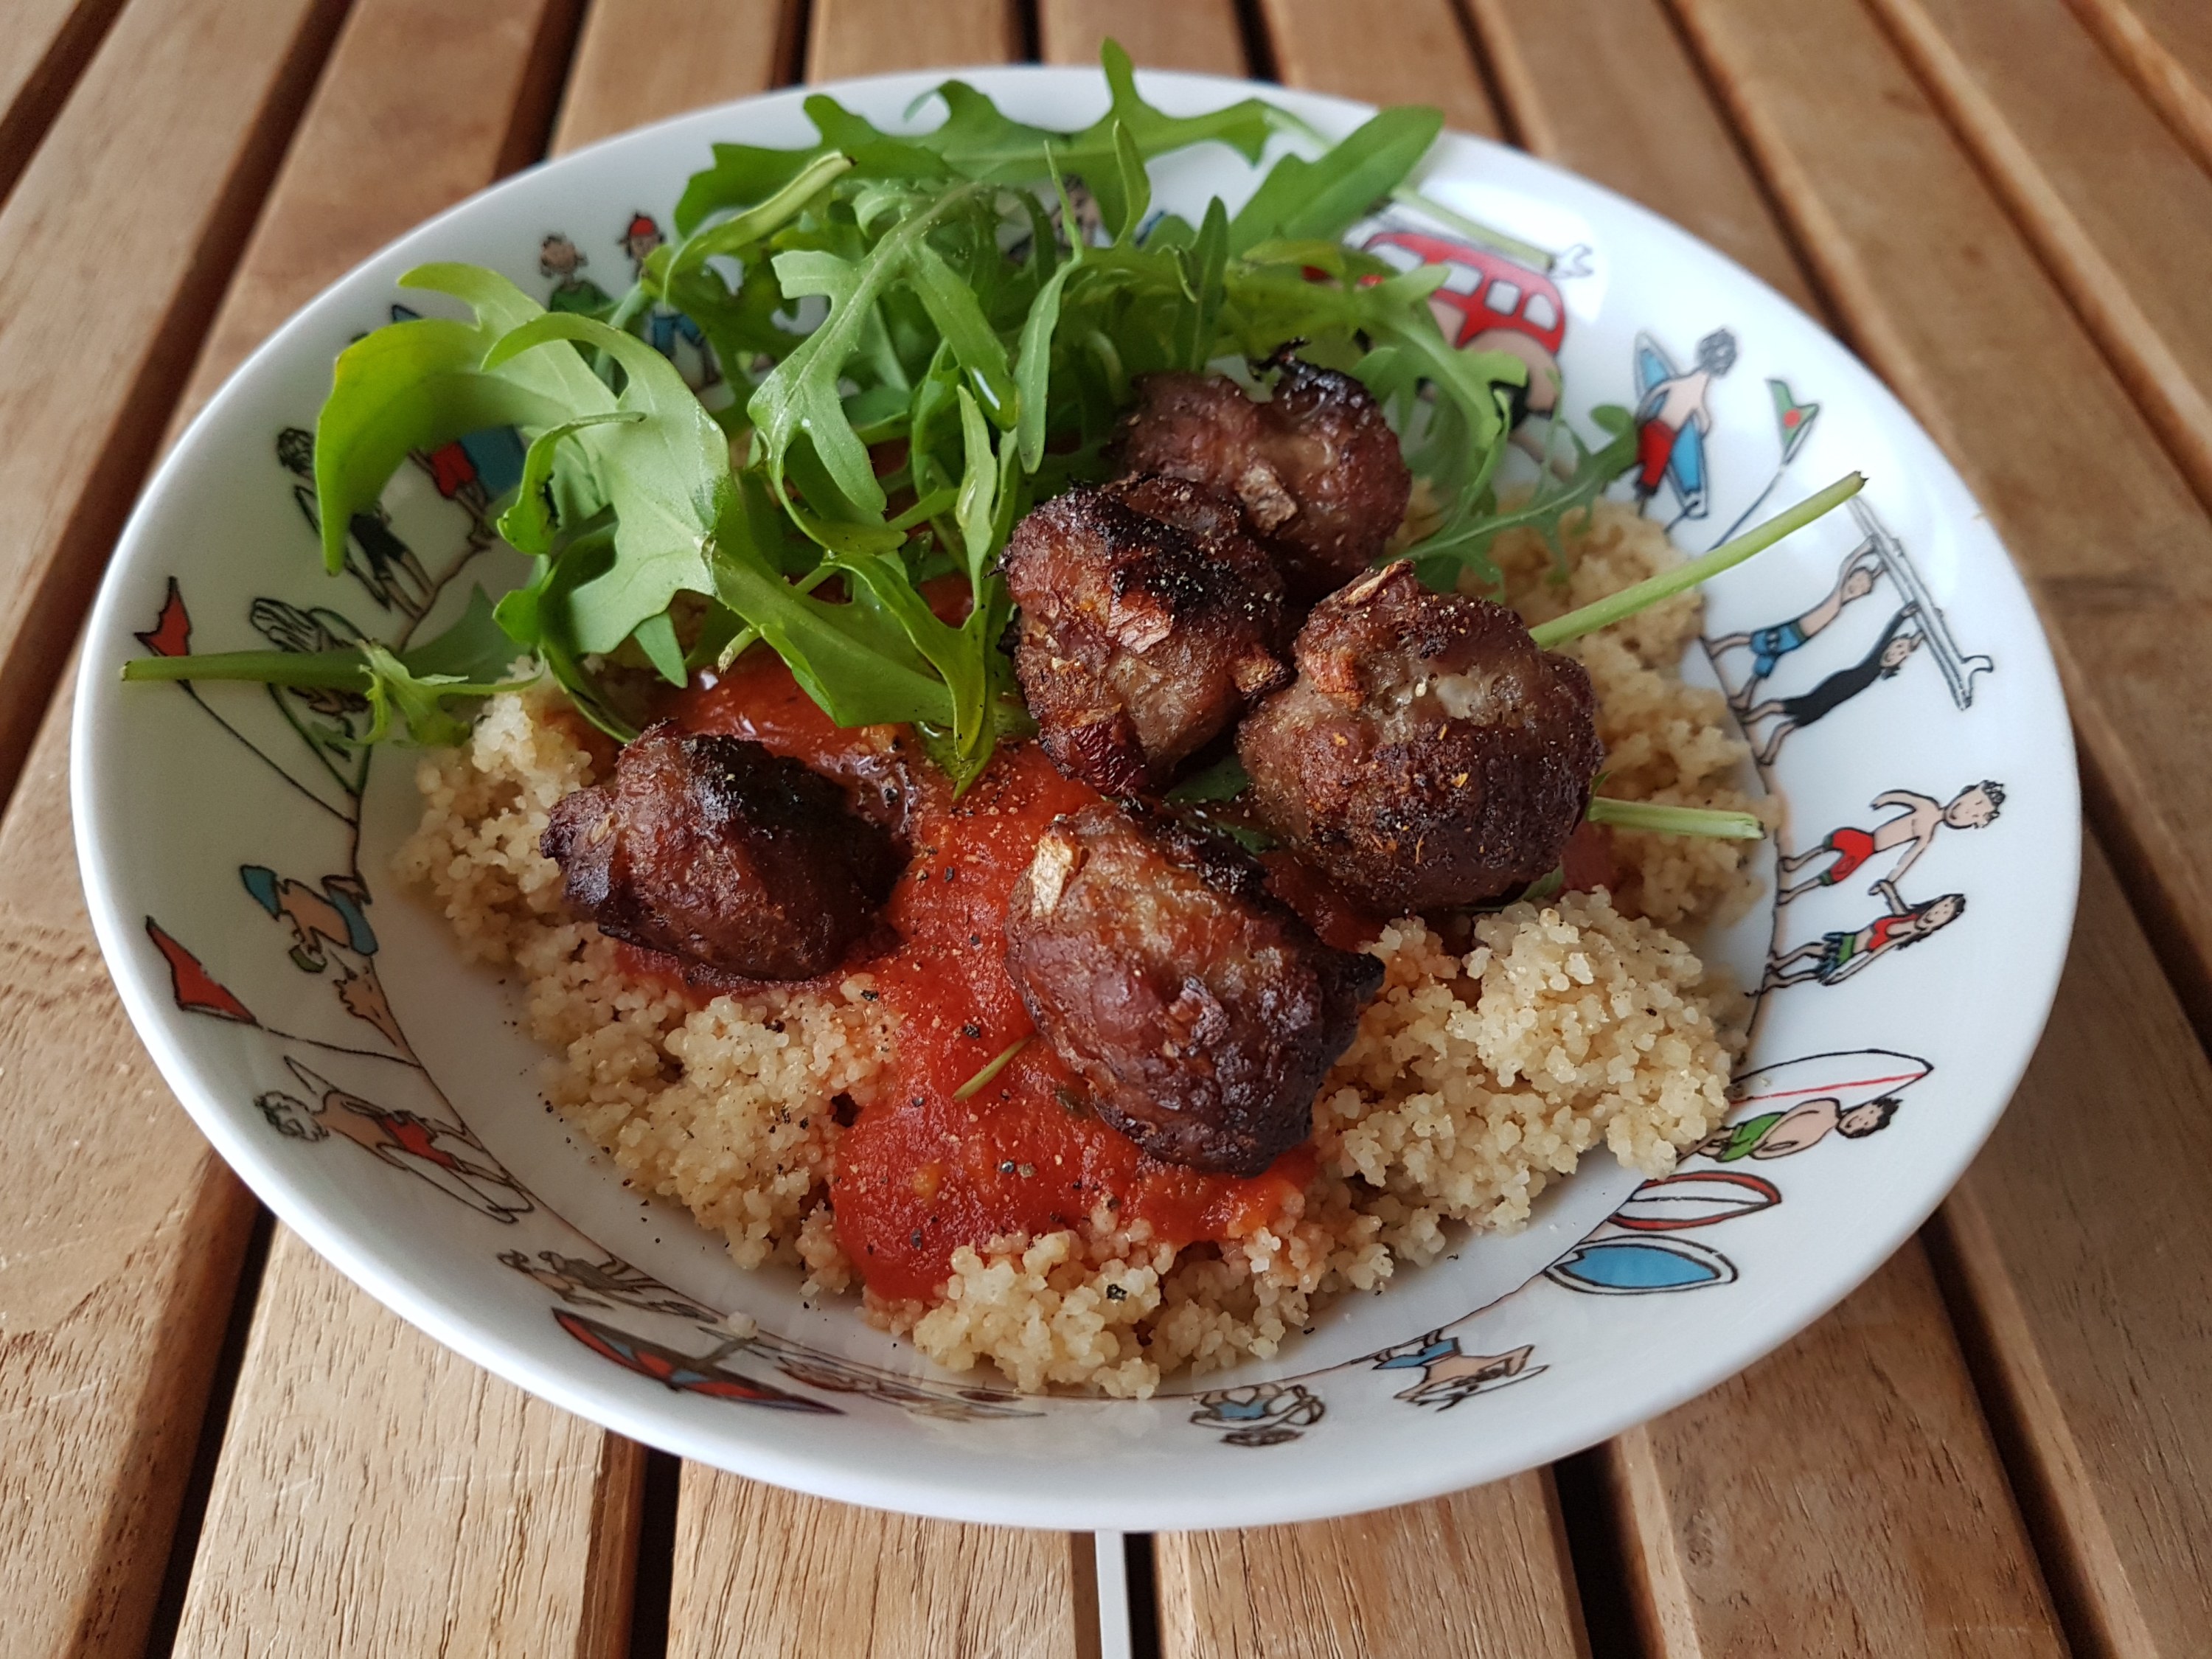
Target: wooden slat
point(1179, 34)
point(1393, 51)
point(394, 134)
point(379, 1494)
point(1938, 292)
point(1841, 1497)
point(113, 249)
point(2118, 208)
point(624, 65)
point(1609, 90)
point(2080, 1240)
point(119, 1231)
point(874, 37)
point(2166, 46)
point(42, 51)
point(120, 1234)
point(761, 1573)
point(1480, 1575)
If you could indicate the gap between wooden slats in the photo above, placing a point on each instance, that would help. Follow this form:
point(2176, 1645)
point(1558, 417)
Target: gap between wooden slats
point(2078, 1254)
point(2118, 208)
point(2167, 46)
point(1940, 294)
point(43, 50)
point(115, 247)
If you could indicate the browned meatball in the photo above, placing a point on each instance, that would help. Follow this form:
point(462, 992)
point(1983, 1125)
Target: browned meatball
point(1316, 467)
point(1203, 1014)
point(1149, 622)
point(1430, 753)
point(731, 860)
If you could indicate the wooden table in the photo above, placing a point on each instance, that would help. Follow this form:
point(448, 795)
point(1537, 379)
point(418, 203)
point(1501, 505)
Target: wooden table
point(211, 1443)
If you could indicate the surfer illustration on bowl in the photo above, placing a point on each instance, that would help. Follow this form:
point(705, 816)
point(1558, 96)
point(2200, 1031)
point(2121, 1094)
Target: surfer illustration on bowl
point(1672, 420)
point(1914, 829)
point(1884, 661)
point(1769, 646)
point(1834, 958)
point(1794, 1105)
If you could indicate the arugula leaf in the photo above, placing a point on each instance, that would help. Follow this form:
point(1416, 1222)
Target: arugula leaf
point(667, 478)
point(1323, 197)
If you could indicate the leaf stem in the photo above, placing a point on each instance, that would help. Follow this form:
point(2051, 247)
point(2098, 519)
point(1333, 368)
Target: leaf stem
point(981, 1080)
point(345, 671)
point(1619, 607)
point(1664, 820)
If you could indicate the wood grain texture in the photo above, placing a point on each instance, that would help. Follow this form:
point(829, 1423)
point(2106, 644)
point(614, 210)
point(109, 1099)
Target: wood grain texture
point(379, 1494)
point(761, 1573)
point(1388, 52)
point(43, 49)
point(1177, 35)
point(2080, 1241)
point(120, 1235)
point(874, 37)
point(1843, 1497)
point(1482, 1574)
point(1608, 88)
point(2166, 46)
point(1939, 292)
point(645, 60)
point(393, 134)
point(2117, 206)
point(114, 249)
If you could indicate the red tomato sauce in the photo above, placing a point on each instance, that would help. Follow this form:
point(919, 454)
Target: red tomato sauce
point(921, 1171)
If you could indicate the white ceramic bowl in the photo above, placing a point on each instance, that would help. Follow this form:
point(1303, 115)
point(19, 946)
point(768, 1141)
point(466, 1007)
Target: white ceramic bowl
point(239, 886)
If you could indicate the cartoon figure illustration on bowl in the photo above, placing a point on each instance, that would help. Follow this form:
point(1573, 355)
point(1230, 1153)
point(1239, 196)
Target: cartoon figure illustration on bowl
point(1769, 645)
point(1784, 1134)
point(1449, 1375)
point(664, 323)
point(1884, 661)
point(385, 565)
point(1490, 301)
point(421, 1146)
point(561, 260)
point(1671, 419)
point(1259, 1413)
point(684, 1373)
point(322, 922)
point(1914, 829)
point(1834, 958)
point(607, 1283)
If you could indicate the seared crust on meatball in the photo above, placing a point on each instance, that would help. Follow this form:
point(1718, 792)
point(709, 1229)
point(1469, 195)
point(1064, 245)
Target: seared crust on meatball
point(1431, 754)
point(1149, 622)
point(1316, 468)
point(732, 860)
point(1203, 1014)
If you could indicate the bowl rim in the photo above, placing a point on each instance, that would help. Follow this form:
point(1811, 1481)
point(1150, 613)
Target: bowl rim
point(1351, 1485)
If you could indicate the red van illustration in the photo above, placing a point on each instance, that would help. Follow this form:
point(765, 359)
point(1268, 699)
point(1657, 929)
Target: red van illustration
point(1489, 302)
